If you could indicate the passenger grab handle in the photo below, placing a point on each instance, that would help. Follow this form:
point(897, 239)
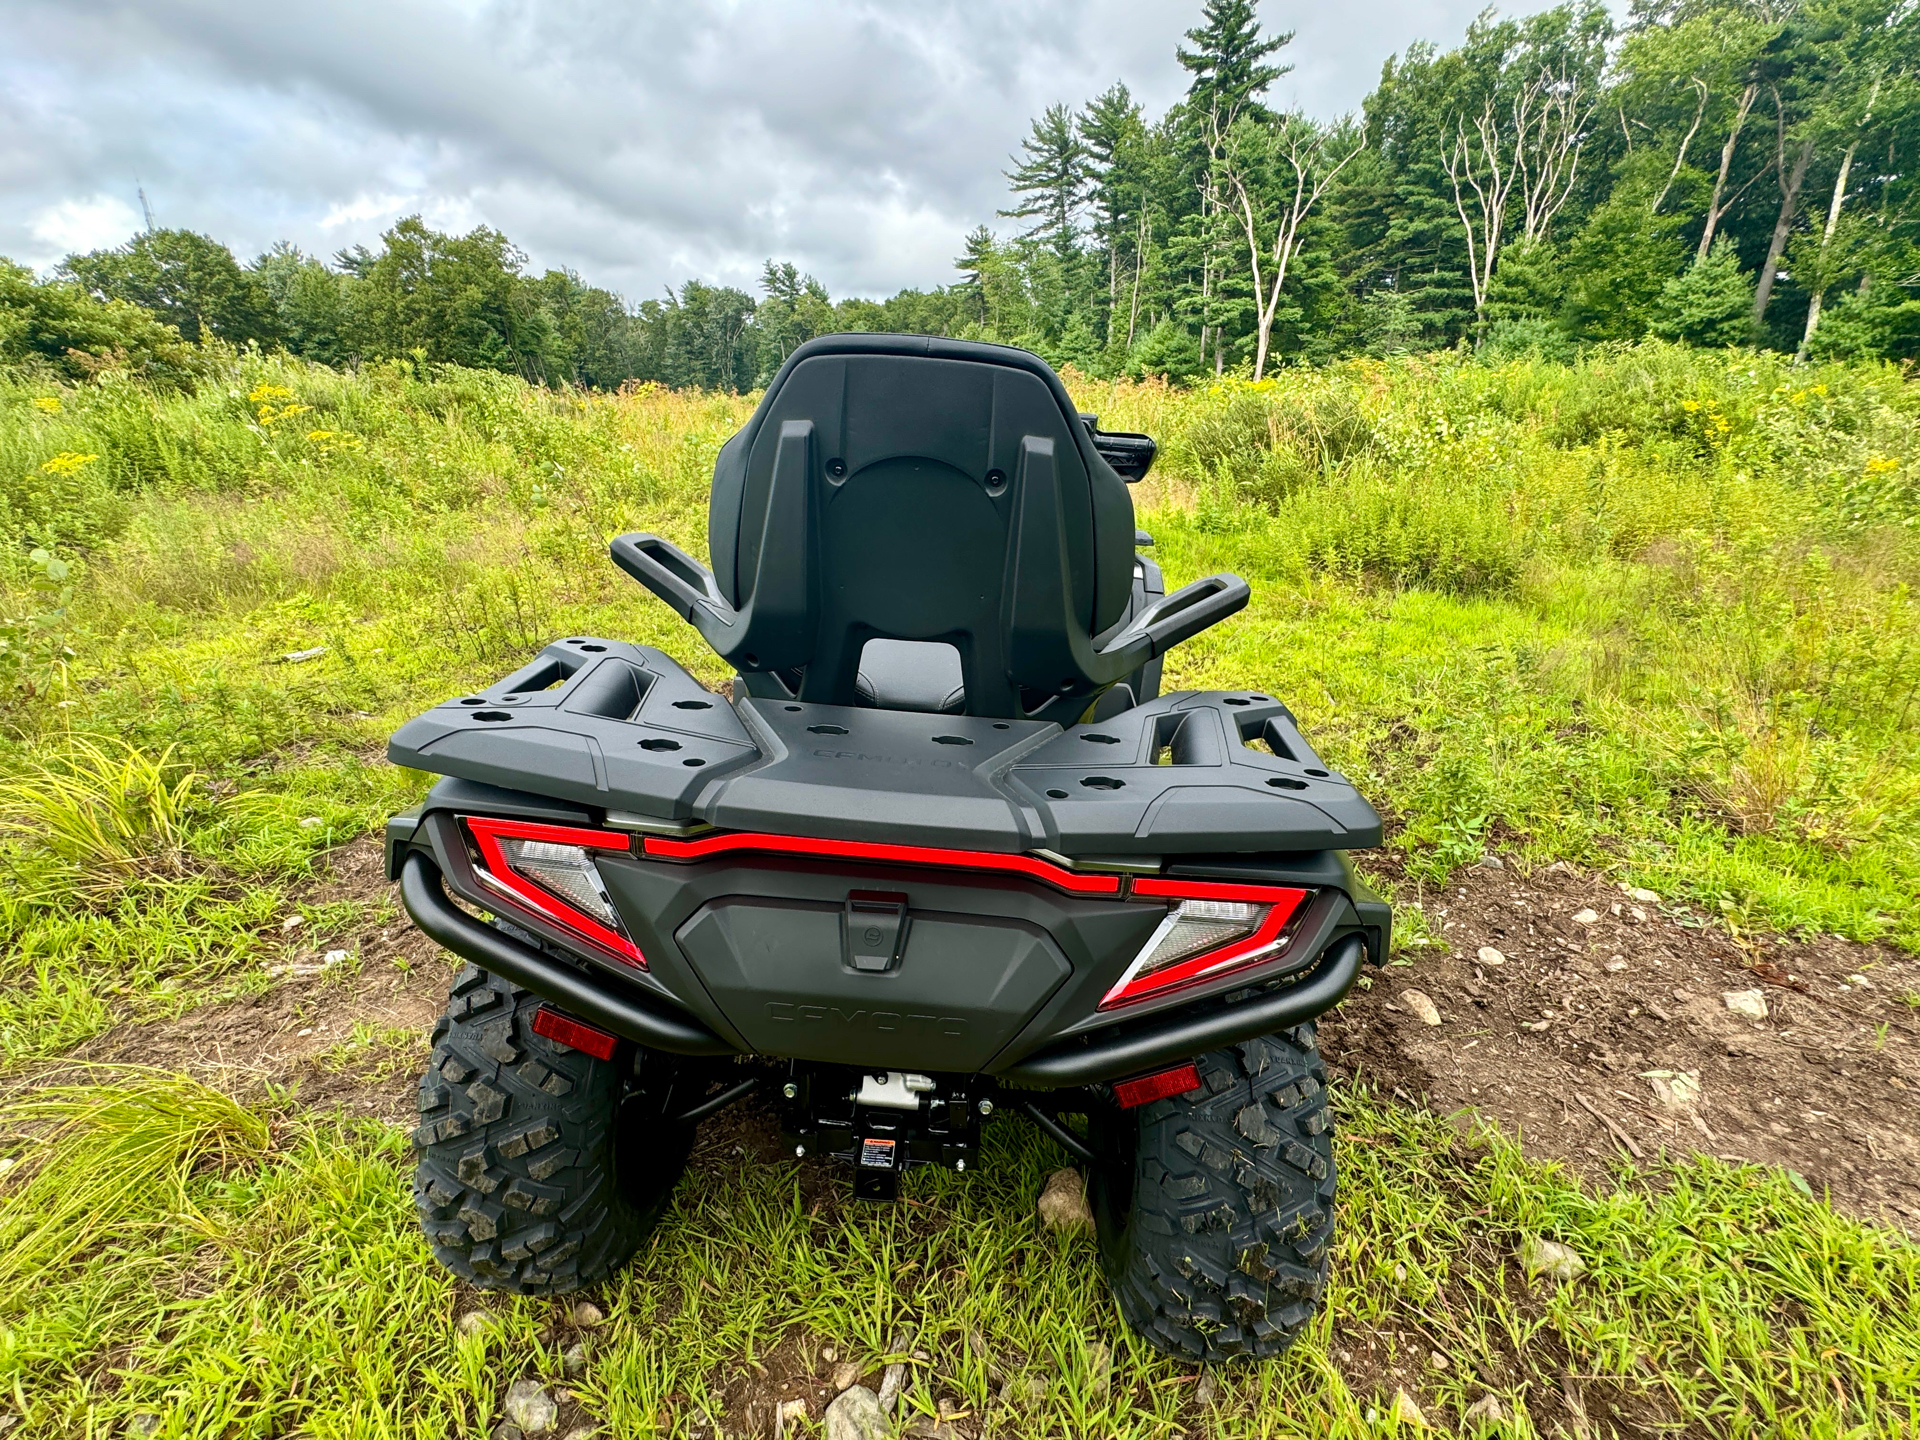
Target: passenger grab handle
point(672, 574)
point(1182, 615)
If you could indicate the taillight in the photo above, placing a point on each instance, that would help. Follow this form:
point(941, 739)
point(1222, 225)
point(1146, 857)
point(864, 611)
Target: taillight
point(1212, 928)
point(550, 870)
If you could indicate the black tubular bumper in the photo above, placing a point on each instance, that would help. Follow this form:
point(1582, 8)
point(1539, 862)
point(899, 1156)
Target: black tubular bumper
point(421, 891)
point(1112, 1057)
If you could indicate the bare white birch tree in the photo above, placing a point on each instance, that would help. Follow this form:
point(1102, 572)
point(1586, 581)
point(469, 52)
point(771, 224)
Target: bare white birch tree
point(1296, 159)
point(1530, 155)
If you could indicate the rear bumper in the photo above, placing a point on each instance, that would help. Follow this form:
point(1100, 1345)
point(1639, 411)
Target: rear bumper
point(1108, 1054)
point(426, 900)
point(1115, 1054)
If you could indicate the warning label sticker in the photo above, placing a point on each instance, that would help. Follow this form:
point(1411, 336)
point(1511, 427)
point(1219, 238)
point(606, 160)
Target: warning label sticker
point(877, 1154)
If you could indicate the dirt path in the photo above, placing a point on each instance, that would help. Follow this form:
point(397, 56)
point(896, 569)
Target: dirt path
point(1593, 988)
point(351, 1035)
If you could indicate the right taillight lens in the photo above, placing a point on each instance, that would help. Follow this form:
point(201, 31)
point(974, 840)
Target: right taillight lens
point(1211, 929)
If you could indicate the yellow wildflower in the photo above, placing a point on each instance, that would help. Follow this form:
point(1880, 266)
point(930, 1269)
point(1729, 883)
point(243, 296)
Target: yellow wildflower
point(48, 403)
point(68, 462)
point(264, 391)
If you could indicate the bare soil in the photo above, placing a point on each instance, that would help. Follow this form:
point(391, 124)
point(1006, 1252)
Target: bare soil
point(298, 1033)
point(1572, 1036)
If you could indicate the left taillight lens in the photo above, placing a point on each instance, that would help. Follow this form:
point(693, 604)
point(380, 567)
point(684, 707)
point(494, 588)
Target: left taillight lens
point(1210, 930)
point(551, 870)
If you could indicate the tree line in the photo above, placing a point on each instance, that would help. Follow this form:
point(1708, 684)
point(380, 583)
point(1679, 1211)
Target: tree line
point(1721, 172)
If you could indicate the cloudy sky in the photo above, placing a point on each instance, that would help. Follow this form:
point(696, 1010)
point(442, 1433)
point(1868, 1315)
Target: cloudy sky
point(638, 142)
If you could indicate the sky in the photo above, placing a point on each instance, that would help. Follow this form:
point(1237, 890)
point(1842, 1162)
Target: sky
point(639, 143)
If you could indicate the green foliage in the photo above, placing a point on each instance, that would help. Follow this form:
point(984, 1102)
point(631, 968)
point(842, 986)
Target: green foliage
point(185, 280)
point(60, 328)
point(1709, 303)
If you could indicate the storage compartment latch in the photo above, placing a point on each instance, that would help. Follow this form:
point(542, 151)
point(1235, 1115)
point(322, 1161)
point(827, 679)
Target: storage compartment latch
point(874, 930)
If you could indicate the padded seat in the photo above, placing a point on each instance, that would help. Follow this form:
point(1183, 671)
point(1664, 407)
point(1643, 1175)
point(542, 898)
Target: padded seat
point(911, 675)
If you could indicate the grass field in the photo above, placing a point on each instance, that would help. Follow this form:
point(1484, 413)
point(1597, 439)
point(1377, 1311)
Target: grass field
point(1652, 614)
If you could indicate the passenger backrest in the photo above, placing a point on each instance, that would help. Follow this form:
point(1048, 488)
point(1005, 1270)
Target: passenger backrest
point(911, 488)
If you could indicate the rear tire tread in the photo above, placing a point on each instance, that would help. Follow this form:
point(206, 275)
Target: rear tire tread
point(1222, 1252)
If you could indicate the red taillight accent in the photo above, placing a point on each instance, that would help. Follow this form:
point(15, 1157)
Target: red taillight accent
point(574, 1034)
point(1268, 940)
point(1146, 1088)
point(487, 835)
point(1029, 866)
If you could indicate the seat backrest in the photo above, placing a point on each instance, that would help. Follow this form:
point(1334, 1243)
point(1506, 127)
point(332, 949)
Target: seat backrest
point(904, 487)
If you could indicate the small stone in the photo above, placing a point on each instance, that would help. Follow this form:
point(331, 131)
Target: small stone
point(1677, 1091)
point(334, 957)
point(1063, 1203)
point(1487, 955)
point(1207, 1390)
point(1100, 1370)
point(1406, 1412)
point(300, 657)
point(1616, 964)
point(312, 822)
point(891, 1384)
point(1535, 1025)
point(574, 1361)
point(474, 1321)
point(587, 1315)
point(1421, 1006)
point(582, 1432)
point(1644, 897)
point(844, 1374)
point(144, 1422)
point(1438, 1360)
point(1861, 981)
point(789, 1412)
point(1636, 912)
point(530, 1407)
point(1587, 916)
point(1485, 1413)
point(1750, 1003)
point(293, 922)
point(830, 1355)
point(855, 1414)
point(1491, 862)
point(504, 1431)
point(1550, 1258)
point(1023, 1390)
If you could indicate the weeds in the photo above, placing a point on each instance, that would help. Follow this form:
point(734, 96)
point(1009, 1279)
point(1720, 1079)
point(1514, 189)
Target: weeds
point(106, 1161)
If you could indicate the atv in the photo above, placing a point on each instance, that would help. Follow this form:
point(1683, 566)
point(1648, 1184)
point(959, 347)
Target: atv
point(944, 853)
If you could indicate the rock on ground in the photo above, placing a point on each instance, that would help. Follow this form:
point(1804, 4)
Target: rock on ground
point(855, 1414)
point(531, 1408)
point(1420, 1005)
point(1063, 1203)
point(1551, 1259)
point(1750, 1003)
point(1406, 1412)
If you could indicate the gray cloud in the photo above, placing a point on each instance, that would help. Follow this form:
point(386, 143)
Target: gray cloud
point(639, 143)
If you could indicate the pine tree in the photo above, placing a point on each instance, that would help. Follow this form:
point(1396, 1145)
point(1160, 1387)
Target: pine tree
point(1710, 303)
point(1228, 61)
point(1052, 180)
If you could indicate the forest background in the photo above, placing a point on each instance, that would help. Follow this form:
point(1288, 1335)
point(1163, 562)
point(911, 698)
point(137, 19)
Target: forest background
point(1718, 172)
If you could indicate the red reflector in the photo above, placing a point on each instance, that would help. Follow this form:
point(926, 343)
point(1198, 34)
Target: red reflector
point(574, 1034)
point(1177, 1081)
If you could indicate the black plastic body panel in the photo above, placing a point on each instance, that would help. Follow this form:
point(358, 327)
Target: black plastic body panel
point(627, 729)
point(964, 984)
point(983, 949)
